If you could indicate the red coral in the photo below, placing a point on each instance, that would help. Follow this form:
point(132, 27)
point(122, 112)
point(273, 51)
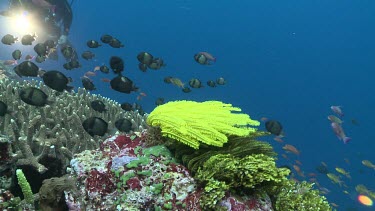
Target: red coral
point(113, 147)
point(192, 201)
point(99, 182)
point(236, 205)
point(173, 167)
point(134, 183)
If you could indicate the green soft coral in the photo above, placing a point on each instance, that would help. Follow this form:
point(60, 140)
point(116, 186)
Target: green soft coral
point(247, 172)
point(299, 196)
point(224, 172)
point(236, 146)
point(213, 192)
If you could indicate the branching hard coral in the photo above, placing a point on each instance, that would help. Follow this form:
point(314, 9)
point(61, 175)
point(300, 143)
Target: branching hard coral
point(209, 122)
point(55, 129)
point(299, 196)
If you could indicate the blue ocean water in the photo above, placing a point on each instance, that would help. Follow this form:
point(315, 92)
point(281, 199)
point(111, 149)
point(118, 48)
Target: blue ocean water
point(285, 60)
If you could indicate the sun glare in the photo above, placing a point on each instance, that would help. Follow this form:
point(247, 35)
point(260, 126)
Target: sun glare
point(21, 24)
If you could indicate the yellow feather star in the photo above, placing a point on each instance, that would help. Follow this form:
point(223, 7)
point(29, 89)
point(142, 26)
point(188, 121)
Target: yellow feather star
point(209, 122)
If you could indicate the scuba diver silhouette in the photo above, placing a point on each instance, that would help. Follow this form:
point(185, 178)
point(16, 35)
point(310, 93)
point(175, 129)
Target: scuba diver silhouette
point(54, 17)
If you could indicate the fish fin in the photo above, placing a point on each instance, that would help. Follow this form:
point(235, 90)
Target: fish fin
point(69, 88)
point(346, 139)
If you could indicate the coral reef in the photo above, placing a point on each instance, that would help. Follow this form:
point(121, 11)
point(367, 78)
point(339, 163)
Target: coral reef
point(209, 122)
point(144, 178)
point(54, 130)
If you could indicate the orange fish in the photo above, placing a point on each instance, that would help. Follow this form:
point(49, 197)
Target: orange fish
point(10, 62)
point(298, 170)
point(298, 162)
point(106, 80)
point(29, 57)
point(96, 68)
point(312, 179)
point(312, 175)
point(278, 139)
point(291, 148)
point(90, 73)
point(263, 119)
point(141, 95)
point(335, 205)
point(285, 156)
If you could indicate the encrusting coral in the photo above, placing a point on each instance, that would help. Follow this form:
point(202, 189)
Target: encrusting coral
point(209, 122)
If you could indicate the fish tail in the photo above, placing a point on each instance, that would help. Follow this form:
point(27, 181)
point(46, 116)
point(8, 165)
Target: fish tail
point(346, 139)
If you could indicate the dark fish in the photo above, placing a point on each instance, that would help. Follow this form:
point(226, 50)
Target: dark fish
point(116, 64)
point(9, 39)
point(123, 125)
point(41, 49)
point(50, 44)
point(123, 84)
point(115, 43)
point(72, 65)
point(17, 54)
point(88, 84)
point(201, 59)
point(67, 51)
point(56, 80)
point(168, 79)
point(27, 68)
point(221, 81)
point(322, 169)
point(139, 108)
point(93, 44)
point(28, 39)
point(156, 64)
point(88, 55)
point(95, 126)
point(211, 83)
point(145, 58)
point(204, 58)
point(33, 96)
point(274, 127)
point(98, 106)
point(40, 59)
point(159, 101)
point(3, 108)
point(104, 69)
point(106, 38)
point(195, 83)
point(186, 89)
point(127, 106)
point(142, 67)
